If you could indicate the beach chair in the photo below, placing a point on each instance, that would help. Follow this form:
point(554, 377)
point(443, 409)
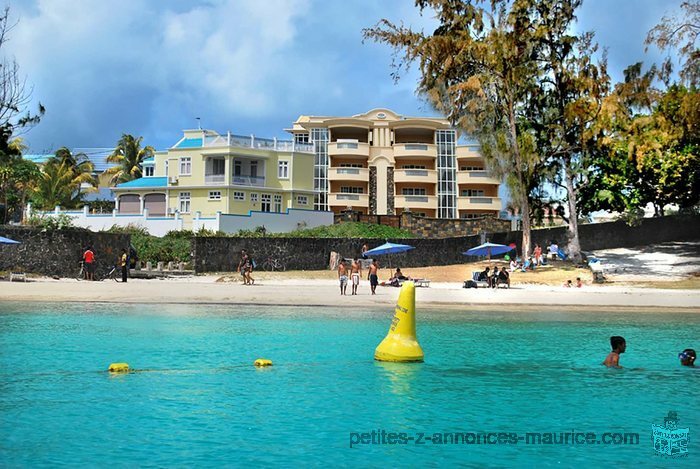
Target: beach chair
point(475, 281)
point(421, 282)
point(18, 276)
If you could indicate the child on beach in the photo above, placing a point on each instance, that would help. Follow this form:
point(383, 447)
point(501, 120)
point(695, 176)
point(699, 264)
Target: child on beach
point(579, 283)
point(687, 357)
point(619, 346)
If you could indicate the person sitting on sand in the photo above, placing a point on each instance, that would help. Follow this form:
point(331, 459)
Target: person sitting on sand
point(395, 281)
point(687, 357)
point(484, 276)
point(568, 284)
point(514, 265)
point(553, 250)
point(619, 345)
point(579, 283)
point(503, 277)
point(493, 280)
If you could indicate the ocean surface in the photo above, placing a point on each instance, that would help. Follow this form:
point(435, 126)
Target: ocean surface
point(198, 401)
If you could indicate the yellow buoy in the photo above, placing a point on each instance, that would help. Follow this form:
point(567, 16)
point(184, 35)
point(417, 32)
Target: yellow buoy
point(118, 368)
point(401, 344)
point(262, 362)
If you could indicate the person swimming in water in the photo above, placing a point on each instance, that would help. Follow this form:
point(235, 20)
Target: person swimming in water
point(687, 357)
point(619, 345)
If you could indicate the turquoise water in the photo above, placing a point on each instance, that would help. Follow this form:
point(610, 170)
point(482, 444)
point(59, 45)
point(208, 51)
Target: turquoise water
point(201, 402)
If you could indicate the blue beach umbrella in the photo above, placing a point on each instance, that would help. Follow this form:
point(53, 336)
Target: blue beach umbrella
point(388, 248)
point(488, 249)
point(4, 240)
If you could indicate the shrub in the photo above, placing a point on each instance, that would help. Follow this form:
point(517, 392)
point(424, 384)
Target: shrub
point(49, 222)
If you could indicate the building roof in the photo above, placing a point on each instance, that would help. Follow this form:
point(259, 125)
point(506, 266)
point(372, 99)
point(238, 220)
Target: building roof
point(98, 157)
point(150, 160)
point(144, 182)
point(189, 143)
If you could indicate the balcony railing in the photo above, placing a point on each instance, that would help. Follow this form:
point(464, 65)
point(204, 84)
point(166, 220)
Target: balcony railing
point(251, 141)
point(214, 178)
point(244, 180)
point(348, 170)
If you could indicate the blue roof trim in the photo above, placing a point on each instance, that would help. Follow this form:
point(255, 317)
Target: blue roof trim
point(150, 160)
point(190, 143)
point(145, 182)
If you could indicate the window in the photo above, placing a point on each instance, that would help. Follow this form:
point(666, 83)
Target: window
point(166, 167)
point(301, 138)
point(350, 165)
point(472, 192)
point(283, 169)
point(218, 166)
point(185, 166)
point(351, 190)
point(265, 202)
point(413, 191)
point(471, 168)
point(253, 198)
point(237, 168)
point(214, 195)
point(413, 166)
point(184, 202)
point(241, 196)
point(302, 200)
point(148, 171)
point(278, 203)
point(469, 216)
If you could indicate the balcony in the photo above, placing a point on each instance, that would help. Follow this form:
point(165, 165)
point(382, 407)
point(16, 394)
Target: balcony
point(339, 199)
point(475, 177)
point(348, 174)
point(428, 176)
point(416, 201)
point(479, 203)
point(214, 179)
point(415, 150)
point(348, 149)
point(468, 151)
point(246, 180)
point(251, 141)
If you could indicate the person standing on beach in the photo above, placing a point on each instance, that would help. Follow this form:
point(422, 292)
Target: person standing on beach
point(355, 272)
point(243, 266)
point(373, 276)
point(343, 277)
point(124, 262)
point(89, 260)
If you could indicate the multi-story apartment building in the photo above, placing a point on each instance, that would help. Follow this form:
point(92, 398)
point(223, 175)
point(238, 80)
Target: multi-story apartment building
point(383, 163)
point(207, 172)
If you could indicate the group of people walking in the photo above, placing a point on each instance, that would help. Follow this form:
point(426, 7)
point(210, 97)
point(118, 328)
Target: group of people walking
point(355, 271)
point(89, 264)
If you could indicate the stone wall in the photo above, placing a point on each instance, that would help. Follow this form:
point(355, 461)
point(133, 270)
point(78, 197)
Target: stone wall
point(58, 253)
point(430, 227)
point(222, 254)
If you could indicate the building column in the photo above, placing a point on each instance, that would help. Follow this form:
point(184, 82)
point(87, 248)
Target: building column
point(372, 190)
point(390, 190)
point(141, 204)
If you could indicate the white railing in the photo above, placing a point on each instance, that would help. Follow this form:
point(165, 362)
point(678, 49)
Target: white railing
point(416, 172)
point(214, 178)
point(348, 170)
point(416, 198)
point(347, 196)
point(251, 141)
point(416, 146)
point(478, 174)
point(350, 145)
point(481, 200)
point(244, 180)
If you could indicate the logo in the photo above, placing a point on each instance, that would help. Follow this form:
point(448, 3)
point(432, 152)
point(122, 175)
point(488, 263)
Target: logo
point(668, 439)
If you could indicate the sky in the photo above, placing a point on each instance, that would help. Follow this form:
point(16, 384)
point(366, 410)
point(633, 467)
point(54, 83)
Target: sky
point(151, 67)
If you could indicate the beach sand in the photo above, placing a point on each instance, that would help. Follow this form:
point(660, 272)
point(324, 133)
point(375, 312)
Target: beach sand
point(278, 290)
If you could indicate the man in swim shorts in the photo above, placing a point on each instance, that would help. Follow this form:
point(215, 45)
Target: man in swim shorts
point(618, 345)
point(355, 272)
point(343, 277)
point(372, 276)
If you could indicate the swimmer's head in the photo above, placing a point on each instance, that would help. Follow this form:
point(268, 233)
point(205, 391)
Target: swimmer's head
point(618, 344)
point(687, 357)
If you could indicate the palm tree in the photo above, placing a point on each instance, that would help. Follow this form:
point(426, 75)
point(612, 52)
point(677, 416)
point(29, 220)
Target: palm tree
point(80, 165)
point(57, 186)
point(128, 155)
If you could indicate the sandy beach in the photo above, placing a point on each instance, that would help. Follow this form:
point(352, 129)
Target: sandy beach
point(213, 289)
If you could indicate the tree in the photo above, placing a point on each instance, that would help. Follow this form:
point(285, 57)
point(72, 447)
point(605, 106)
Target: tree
point(129, 156)
point(478, 68)
point(80, 164)
point(680, 34)
point(57, 186)
point(569, 97)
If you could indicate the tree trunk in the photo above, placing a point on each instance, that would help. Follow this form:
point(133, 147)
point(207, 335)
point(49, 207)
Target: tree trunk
point(525, 206)
point(574, 243)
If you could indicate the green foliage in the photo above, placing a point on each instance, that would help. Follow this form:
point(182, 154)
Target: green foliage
point(49, 222)
point(339, 230)
point(128, 156)
point(174, 246)
point(62, 179)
